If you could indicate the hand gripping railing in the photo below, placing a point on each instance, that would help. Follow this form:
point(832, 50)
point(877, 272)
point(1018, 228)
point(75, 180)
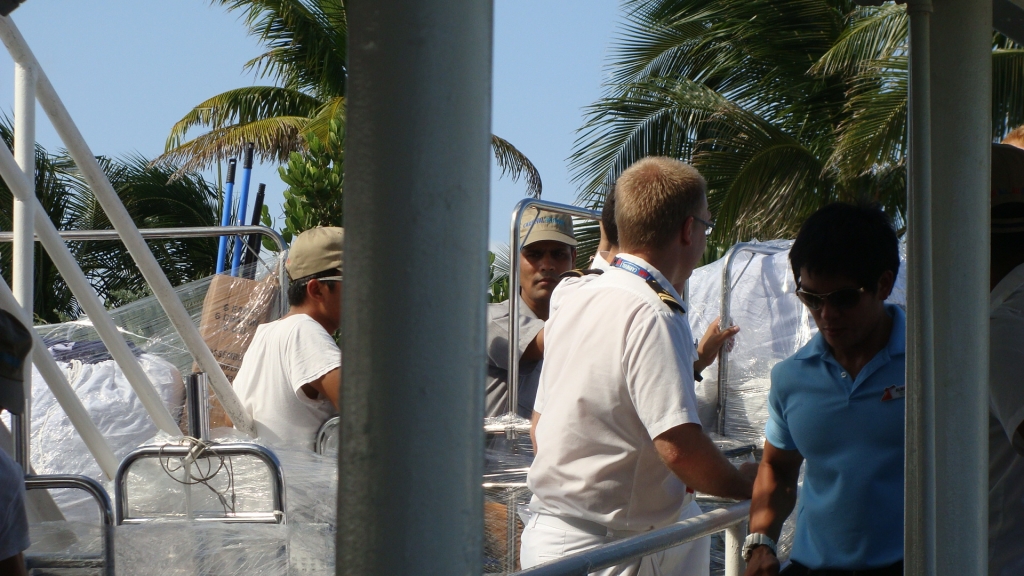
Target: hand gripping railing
point(726, 314)
point(731, 519)
point(185, 453)
point(94, 489)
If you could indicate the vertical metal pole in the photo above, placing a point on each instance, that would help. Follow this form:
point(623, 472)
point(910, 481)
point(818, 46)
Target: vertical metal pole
point(961, 136)
point(410, 499)
point(734, 537)
point(197, 405)
point(22, 277)
point(919, 491)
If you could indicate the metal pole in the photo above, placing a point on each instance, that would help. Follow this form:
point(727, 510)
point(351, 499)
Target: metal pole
point(122, 222)
point(86, 296)
point(62, 391)
point(919, 491)
point(734, 537)
point(418, 160)
point(22, 269)
point(197, 405)
point(961, 136)
point(243, 203)
point(225, 215)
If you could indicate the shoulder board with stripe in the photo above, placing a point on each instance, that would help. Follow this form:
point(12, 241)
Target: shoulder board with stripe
point(577, 273)
point(667, 298)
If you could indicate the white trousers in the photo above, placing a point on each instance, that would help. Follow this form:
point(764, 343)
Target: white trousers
point(546, 538)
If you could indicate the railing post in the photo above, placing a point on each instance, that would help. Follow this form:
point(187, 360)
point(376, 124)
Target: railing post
point(197, 406)
point(734, 537)
point(22, 276)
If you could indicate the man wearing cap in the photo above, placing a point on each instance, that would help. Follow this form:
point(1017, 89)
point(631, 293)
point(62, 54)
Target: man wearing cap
point(548, 251)
point(1006, 364)
point(15, 343)
point(290, 378)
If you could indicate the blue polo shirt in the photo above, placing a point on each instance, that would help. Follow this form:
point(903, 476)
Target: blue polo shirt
point(850, 431)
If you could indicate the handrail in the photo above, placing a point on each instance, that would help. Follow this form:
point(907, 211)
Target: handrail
point(226, 449)
point(513, 287)
point(635, 547)
point(99, 494)
point(186, 232)
point(327, 431)
point(726, 319)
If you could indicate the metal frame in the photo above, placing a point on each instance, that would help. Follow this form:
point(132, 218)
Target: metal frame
point(324, 434)
point(731, 519)
point(94, 489)
point(186, 232)
point(227, 449)
point(513, 288)
point(726, 309)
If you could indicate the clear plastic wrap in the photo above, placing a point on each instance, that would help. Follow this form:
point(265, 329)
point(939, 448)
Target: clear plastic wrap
point(506, 497)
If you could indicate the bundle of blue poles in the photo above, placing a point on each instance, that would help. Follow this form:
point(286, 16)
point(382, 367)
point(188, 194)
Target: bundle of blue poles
point(241, 262)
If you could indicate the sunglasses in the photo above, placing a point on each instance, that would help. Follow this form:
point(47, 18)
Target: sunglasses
point(843, 299)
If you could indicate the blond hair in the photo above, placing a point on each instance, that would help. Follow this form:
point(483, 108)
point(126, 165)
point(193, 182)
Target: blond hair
point(653, 198)
point(1015, 137)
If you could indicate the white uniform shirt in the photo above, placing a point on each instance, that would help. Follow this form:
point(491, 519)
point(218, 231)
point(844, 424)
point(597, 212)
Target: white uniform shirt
point(284, 356)
point(618, 372)
point(1006, 402)
point(599, 263)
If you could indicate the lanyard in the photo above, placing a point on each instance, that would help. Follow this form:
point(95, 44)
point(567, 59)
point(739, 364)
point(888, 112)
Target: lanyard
point(632, 268)
point(663, 294)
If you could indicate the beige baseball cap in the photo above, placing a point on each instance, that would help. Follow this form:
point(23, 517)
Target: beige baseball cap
point(316, 250)
point(546, 226)
point(1007, 189)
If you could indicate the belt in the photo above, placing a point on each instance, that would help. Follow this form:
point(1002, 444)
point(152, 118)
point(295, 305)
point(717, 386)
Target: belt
point(797, 569)
point(574, 524)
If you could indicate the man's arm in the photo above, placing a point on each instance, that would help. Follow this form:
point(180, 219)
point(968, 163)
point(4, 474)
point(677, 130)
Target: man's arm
point(711, 343)
point(534, 418)
point(14, 566)
point(535, 351)
point(695, 459)
point(773, 501)
point(328, 385)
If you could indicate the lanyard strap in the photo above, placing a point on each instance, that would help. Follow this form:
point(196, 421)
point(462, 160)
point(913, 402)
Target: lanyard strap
point(667, 298)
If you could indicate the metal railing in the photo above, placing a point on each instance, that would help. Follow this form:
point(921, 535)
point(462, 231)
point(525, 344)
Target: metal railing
point(187, 454)
point(731, 519)
point(726, 311)
point(327, 434)
point(106, 560)
point(186, 232)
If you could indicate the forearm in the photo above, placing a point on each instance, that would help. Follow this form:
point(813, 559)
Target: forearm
point(695, 459)
point(534, 418)
point(773, 500)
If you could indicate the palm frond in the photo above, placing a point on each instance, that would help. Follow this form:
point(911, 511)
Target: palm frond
point(874, 34)
point(1007, 90)
point(274, 138)
point(516, 165)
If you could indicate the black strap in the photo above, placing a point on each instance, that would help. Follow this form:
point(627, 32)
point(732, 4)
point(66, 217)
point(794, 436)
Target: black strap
point(577, 273)
point(667, 298)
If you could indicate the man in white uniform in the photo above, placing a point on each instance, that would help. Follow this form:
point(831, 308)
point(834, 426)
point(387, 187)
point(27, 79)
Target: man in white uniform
point(620, 448)
point(1006, 365)
point(290, 378)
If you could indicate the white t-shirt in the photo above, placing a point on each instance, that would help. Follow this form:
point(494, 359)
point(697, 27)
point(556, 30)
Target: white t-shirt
point(1006, 412)
point(284, 356)
point(611, 383)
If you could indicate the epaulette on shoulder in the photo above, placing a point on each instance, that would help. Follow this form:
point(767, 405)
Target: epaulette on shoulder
point(577, 273)
point(667, 298)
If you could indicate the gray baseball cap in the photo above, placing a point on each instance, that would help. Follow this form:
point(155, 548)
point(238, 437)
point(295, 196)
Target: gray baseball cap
point(546, 226)
point(316, 250)
point(15, 343)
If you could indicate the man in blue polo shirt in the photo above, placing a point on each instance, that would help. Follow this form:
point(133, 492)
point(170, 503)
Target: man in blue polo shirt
point(838, 403)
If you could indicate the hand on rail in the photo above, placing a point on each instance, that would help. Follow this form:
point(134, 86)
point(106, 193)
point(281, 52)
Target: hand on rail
point(749, 469)
point(712, 342)
point(762, 562)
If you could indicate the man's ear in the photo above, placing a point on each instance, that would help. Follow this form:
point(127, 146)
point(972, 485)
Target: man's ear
point(686, 232)
point(312, 290)
point(885, 284)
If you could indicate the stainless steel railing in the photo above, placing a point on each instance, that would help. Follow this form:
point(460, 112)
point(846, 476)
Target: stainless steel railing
point(225, 450)
point(106, 560)
point(731, 519)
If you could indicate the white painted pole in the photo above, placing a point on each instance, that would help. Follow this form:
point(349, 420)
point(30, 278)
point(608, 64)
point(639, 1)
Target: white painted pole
point(122, 222)
point(961, 137)
point(22, 269)
point(919, 491)
point(734, 537)
point(86, 296)
point(62, 391)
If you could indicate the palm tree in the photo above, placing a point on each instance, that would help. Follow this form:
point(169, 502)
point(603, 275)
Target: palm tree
point(306, 56)
point(151, 201)
point(783, 105)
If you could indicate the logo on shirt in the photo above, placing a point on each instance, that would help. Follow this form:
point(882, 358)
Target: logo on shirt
point(894, 392)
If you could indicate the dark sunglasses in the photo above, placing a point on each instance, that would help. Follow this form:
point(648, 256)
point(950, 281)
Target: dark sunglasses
point(843, 299)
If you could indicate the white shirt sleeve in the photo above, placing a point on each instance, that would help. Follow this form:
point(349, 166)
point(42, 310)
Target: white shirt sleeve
point(658, 367)
point(1006, 381)
point(311, 354)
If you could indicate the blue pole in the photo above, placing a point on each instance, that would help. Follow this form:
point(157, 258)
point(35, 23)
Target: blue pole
point(225, 215)
point(243, 201)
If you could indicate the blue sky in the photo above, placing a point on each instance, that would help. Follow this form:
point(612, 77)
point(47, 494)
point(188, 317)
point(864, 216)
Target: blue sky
point(128, 69)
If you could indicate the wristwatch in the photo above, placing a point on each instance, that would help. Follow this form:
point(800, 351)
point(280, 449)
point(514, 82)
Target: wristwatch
point(753, 541)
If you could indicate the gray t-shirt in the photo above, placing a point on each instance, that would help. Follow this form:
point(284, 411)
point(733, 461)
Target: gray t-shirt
point(497, 359)
point(13, 519)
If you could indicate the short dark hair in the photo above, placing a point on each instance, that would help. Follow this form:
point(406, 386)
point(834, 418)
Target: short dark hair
point(611, 230)
point(854, 241)
point(297, 289)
